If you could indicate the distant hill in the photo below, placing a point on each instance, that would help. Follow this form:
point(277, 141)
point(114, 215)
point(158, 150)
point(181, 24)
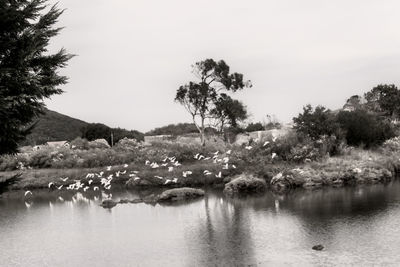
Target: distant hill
point(53, 126)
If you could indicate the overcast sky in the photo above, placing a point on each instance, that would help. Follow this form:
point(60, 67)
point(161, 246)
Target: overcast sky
point(133, 55)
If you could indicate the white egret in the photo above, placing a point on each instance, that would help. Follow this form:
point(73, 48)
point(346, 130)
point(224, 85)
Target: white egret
point(266, 143)
point(226, 167)
point(95, 188)
point(59, 187)
point(50, 184)
point(273, 155)
point(147, 162)
point(248, 147)
point(170, 169)
point(219, 175)
point(108, 168)
point(64, 179)
point(27, 192)
point(126, 165)
point(90, 181)
point(228, 152)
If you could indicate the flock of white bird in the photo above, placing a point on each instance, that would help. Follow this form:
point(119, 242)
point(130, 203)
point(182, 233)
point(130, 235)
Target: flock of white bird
point(168, 162)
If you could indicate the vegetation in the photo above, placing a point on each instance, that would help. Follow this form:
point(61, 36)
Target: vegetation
point(174, 129)
point(53, 126)
point(254, 126)
point(95, 131)
point(364, 128)
point(29, 74)
point(201, 99)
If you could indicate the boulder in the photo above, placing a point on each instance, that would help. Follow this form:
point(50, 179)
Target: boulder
point(183, 193)
point(108, 203)
point(245, 183)
point(318, 247)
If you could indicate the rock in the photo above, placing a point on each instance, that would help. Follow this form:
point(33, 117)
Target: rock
point(151, 199)
point(245, 183)
point(318, 247)
point(108, 203)
point(124, 201)
point(183, 193)
point(135, 201)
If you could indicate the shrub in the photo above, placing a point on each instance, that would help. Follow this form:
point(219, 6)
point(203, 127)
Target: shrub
point(363, 128)
point(316, 123)
point(252, 127)
point(79, 143)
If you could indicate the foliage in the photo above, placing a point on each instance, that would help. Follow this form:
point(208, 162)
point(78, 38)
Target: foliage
point(79, 143)
point(252, 127)
point(364, 128)
point(174, 129)
point(316, 123)
point(53, 126)
point(28, 73)
point(384, 98)
point(95, 131)
point(228, 112)
point(199, 98)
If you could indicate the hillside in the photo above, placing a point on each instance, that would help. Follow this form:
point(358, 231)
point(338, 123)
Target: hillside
point(53, 126)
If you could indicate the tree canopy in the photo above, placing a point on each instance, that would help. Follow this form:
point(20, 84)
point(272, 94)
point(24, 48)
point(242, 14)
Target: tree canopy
point(384, 98)
point(28, 71)
point(204, 97)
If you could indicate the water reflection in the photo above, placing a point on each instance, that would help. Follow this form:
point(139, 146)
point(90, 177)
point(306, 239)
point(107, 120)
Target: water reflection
point(356, 225)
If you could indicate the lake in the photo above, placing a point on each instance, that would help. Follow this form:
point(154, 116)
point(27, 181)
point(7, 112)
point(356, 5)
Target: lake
point(356, 225)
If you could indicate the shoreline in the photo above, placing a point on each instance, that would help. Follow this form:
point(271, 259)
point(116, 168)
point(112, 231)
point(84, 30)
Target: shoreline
point(333, 172)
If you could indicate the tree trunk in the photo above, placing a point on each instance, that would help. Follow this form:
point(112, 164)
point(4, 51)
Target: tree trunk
point(202, 133)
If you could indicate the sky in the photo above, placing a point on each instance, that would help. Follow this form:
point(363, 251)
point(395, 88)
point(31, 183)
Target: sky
point(131, 56)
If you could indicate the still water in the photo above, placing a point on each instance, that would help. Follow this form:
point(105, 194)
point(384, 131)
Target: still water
point(357, 226)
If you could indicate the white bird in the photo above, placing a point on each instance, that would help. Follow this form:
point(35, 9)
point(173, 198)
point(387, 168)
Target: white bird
point(266, 143)
point(200, 157)
point(109, 168)
point(59, 188)
point(154, 165)
point(164, 164)
point(273, 155)
point(206, 172)
point(177, 164)
point(64, 179)
point(226, 167)
point(90, 175)
point(196, 156)
point(226, 160)
point(207, 158)
point(175, 180)
point(60, 198)
point(159, 177)
point(164, 160)
point(123, 172)
point(136, 178)
point(147, 162)
point(101, 174)
point(274, 138)
point(126, 165)
point(248, 147)
point(219, 175)
point(50, 184)
point(136, 172)
point(95, 188)
point(170, 169)
point(167, 181)
point(132, 175)
point(86, 188)
point(108, 187)
point(90, 181)
point(27, 192)
point(228, 152)
point(216, 153)
point(186, 173)
point(234, 166)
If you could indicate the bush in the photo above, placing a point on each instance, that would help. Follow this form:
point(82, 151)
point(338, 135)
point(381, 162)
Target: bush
point(79, 143)
point(363, 128)
point(252, 127)
point(317, 123)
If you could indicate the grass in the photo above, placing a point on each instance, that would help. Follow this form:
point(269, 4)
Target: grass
point(352, 167)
